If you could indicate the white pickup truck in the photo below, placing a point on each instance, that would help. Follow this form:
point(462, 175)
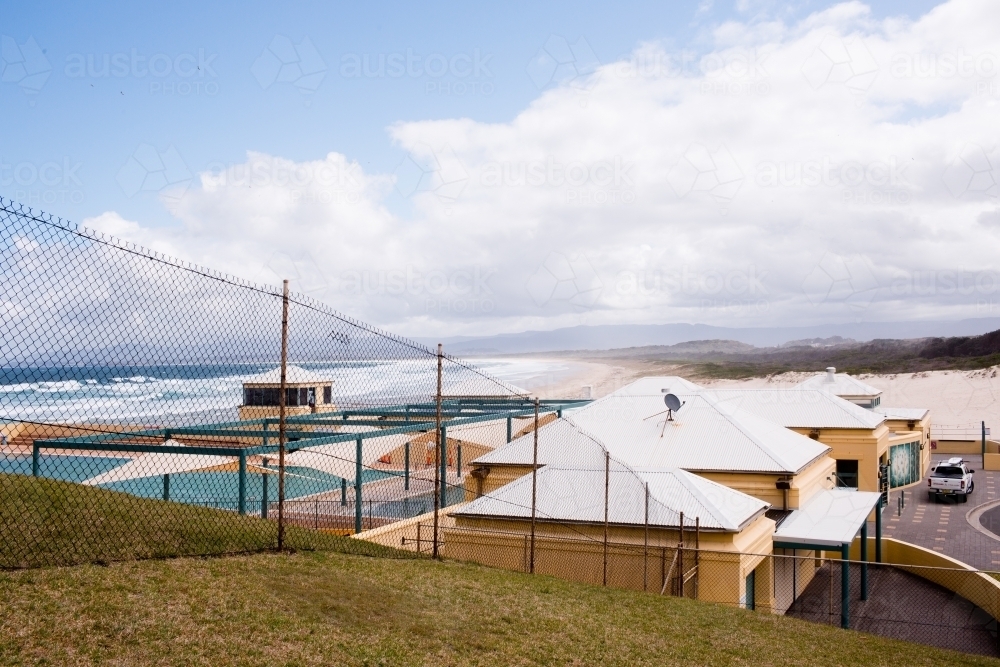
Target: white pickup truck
point(950, 478)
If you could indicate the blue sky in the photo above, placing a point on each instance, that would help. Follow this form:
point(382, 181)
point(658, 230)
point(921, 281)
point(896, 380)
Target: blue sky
point(740, 163)
point(89, 123)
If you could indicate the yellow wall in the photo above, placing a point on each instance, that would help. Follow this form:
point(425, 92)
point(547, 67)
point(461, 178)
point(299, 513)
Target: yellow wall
point(817, 476)
point(577, 553)
point(864, 446)
point(271, 411)
point(485, 479)
point(980, 589)
point(958, 447)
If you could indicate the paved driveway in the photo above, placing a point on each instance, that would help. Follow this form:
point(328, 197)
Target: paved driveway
point(943, 526)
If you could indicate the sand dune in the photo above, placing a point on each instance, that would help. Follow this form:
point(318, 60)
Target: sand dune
point(954, 397)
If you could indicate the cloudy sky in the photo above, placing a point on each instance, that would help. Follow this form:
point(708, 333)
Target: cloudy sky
point(452, 172)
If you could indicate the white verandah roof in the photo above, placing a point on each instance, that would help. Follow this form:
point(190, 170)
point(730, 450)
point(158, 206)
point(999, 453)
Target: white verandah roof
point(831, 518)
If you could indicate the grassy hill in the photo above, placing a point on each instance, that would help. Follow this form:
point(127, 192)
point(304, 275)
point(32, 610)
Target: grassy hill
point(46, 522)
point(322, 608)
point(338, 607)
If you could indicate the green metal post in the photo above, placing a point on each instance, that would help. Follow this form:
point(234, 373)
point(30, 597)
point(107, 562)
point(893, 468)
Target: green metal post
point(166, 487)
point(243, 483)
point(559, 413)
point(845, 586)
point(444, 466)
point(343, 492)
point(263, 495)
point(357, 487)
point(510, 431)
point(35, 459)
point(864, 560)
point(878, 533)
point(458, 460)
point(263, 439)
point(406, 465)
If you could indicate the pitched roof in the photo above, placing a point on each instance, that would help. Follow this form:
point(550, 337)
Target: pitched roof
point(909, 414)
point(800, 408)
point(706, 435)
point(839, 384)
point(577, 495)
point(293, 375)
point(658, 384)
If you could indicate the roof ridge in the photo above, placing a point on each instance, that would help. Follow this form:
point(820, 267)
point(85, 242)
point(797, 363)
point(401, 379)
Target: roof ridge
point(732, 419)
point(693, 489)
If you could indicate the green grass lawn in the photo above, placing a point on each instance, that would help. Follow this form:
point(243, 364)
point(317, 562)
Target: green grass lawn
point(45, 522)
point(324, 608)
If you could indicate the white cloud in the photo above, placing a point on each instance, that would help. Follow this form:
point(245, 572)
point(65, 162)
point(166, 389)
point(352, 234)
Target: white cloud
point(829, 142)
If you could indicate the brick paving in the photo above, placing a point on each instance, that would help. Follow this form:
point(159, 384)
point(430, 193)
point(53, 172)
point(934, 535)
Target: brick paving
point(942, 526)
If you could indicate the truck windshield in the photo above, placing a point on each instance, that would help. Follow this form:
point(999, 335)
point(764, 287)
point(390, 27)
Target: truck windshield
point(949, 471)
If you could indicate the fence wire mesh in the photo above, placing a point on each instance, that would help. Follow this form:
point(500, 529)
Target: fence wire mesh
point(140, 416)
point(139, 408)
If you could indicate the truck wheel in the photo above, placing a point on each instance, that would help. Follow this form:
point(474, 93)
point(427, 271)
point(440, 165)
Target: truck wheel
point(965, 498)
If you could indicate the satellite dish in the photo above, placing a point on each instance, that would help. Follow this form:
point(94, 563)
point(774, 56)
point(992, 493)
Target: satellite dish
point(672, 402)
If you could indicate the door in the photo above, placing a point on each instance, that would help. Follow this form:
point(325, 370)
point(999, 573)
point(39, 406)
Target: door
point(750, 591)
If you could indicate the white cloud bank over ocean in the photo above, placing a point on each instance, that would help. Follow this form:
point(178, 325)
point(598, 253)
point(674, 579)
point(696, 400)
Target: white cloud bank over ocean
point(836, 169)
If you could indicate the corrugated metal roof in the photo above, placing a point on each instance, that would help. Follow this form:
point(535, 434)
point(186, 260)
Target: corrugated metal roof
point(658, 384)
point(559, 443)
point(914, 414)
point(800, 408)
point(706, 435)
point(293, 375)
point(841, 384)
point(831, 517)
point(573, 494)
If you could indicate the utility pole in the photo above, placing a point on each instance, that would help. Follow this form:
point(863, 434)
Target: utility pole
point(282, 399)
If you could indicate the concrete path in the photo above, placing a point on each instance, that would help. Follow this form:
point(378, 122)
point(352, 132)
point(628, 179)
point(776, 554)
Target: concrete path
point(901, 606)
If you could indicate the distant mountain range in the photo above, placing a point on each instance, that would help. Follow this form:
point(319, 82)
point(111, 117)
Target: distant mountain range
point(709, 338)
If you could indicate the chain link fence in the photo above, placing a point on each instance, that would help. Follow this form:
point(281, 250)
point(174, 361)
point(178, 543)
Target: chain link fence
point(152, 408)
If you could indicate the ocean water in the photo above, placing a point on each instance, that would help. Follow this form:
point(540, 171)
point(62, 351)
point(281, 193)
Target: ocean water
point(182, 395)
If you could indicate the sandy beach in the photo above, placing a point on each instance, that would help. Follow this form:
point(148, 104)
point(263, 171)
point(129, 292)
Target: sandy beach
point(954, 397)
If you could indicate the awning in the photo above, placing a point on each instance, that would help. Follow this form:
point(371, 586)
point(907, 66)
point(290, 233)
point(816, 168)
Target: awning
point(831, 518)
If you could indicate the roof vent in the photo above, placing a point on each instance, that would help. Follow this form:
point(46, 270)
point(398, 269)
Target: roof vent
point(830, 372)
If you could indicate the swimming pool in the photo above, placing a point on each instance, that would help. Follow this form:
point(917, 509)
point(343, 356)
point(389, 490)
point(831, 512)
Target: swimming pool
point(213, 489)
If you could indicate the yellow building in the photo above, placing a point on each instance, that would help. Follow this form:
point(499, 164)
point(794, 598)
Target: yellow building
point(724, 441)
point(306, 392)
point(644, 549)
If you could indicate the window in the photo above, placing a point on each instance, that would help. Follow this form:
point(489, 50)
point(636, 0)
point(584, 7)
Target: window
point(847, 474)
point(328, 394)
